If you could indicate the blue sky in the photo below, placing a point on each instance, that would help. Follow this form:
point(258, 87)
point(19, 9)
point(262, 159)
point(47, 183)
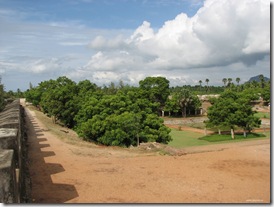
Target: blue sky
point(110, 40)
point(107, 14)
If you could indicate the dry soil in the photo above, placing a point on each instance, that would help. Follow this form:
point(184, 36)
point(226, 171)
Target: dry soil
point(67, 173)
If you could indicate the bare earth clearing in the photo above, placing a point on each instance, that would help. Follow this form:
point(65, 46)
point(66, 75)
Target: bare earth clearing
point(77, 173)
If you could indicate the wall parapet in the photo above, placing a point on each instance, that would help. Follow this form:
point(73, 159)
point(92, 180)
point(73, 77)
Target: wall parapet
point(14, 173)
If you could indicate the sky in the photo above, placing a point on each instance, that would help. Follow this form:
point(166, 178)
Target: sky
point(107, 41)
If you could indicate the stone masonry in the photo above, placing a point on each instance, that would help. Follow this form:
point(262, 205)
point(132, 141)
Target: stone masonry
point(14, 174)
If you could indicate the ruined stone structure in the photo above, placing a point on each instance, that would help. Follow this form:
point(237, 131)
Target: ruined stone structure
point(14, 174)
point(205, 102)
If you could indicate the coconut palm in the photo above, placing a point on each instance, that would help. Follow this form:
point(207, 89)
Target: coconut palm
point(207, 80)
point(238, 80)
point(200, 84)
point(224, 81)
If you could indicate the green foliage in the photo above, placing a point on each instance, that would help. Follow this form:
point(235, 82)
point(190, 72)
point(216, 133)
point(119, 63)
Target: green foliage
point(185, 139)
point(58, 100)
point(124, 115)
point(265, 92)
point(183, 101)
point(120, 119)
point(199, 89)
point(156, 89)
point(265, 115)
point(172, 104)
point(187, 101)
point(219, 138)
point(231, 110)
point(250, 94)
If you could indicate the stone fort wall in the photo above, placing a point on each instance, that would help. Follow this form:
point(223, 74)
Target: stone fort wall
point(14, 174)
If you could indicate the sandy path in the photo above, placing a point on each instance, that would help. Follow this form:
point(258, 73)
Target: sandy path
point(62, 172)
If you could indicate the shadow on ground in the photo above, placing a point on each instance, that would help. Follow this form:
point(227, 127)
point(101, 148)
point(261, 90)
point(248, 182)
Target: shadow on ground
point(43, 188)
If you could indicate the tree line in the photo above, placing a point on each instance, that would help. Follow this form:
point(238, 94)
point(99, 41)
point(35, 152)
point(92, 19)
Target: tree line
point(125, 115)
point(120, 116)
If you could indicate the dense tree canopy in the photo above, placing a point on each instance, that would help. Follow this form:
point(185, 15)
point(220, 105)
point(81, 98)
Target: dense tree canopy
point(156, 89)
point(126, 115)
point(231, 110)
point(111, 115)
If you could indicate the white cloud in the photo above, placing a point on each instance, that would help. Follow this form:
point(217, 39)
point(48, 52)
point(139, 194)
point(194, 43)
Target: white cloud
point(44, 65)
point(221, 34)
point(101, 42)
point(224, 37)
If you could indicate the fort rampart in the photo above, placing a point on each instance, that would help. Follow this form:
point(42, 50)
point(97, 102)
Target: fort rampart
point(14, 174)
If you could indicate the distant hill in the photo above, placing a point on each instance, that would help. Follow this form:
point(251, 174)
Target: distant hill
point(257, 79)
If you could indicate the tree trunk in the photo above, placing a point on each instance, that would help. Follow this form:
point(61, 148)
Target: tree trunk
point(184, 112)
point(219, 131)
point(232, 133)
point(53, 119)
point(138, 140)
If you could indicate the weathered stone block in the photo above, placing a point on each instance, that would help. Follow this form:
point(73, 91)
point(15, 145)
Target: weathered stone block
point(8, 193)
point(10, 124)
point(8, 138)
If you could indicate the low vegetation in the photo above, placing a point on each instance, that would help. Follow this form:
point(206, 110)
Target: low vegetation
point(181, 139)
point(224, 137)
point(186, 139)
point(265, 115)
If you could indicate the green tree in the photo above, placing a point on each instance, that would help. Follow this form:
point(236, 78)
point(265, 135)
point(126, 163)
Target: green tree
point(238, 83)
point(156, 89)
point(229, 82)
point(230, 110)
point(172, 104)
point(207, 80)
point(265, 92)
point(238, 80)
point(261, 77)
point(34, 94)
point(225, 81)
point(122, 119)
point(186, 100)
point(58, 101)
point(200, 82)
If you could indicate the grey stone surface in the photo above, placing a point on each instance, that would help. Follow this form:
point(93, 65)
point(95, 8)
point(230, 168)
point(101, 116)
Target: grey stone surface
point(8, 138)
point(8, 193)
point(13, 156)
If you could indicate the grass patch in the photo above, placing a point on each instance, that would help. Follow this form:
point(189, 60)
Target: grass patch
point(227, 137)
point(262, 115)
point(190, 139)
point(198, 125)
point(185, 139)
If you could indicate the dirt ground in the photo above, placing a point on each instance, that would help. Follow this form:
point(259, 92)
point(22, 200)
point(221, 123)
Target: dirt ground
point(67, 173)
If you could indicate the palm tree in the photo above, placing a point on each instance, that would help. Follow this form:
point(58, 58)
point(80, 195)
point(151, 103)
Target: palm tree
point(200, 84)
point(261, 77)
point(224, 81)
point(238, 80)
point(207, 80)
point(229, 80)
